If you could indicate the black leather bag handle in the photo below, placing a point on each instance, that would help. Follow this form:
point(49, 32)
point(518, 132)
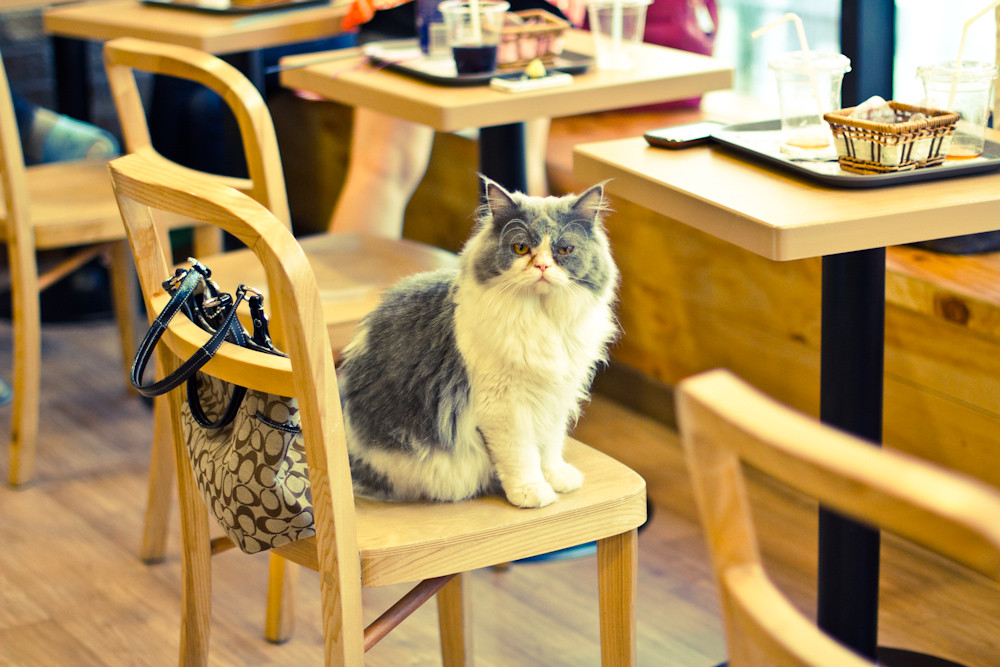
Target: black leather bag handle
point(186, 286)
point(214, 312)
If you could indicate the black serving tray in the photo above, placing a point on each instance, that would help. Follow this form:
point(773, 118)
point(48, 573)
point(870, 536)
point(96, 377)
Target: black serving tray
point(224, 7)
point(404, 56)
point(759, 140)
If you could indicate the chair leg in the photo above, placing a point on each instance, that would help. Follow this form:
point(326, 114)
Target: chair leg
point(161, 486)
point(617, 572)
point(280, 622)
point(455, 621)
point(196, 563)
point(26, 316)
point(124, 298)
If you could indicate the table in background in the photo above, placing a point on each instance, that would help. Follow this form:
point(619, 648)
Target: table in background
point(236, 36)
point(662, 74)
point(782, 217)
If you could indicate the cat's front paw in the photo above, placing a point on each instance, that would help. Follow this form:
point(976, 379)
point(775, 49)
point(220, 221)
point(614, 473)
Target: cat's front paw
point(534, 494)
point(564, 478)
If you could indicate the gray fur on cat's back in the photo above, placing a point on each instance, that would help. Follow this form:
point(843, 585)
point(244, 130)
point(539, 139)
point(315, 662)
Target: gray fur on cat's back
point(408, 394)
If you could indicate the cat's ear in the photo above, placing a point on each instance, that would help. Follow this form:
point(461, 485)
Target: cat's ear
point(494, 197)
point(591, 203)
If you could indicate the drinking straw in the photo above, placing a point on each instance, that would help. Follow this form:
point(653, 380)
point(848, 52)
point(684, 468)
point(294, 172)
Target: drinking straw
point(790, 16)
point(616, 26)
point(803, 46)
point(477, 28)
point(961, 50)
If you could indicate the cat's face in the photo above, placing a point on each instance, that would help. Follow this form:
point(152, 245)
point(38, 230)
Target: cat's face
point(541, 245)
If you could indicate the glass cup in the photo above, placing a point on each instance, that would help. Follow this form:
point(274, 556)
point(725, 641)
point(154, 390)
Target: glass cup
point(473, 34)
point(617, 27)
point(808, 87)
point(971, 100)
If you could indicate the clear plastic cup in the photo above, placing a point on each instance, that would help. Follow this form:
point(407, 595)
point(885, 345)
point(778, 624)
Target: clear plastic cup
point(617, 27)
point(972, 100)
point(808, 86)
point(474, 36)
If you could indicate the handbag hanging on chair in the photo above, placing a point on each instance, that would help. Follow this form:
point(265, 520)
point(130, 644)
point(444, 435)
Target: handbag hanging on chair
point(245, 445)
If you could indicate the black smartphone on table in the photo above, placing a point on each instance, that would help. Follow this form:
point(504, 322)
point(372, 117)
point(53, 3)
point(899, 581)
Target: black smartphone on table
point(682, 136)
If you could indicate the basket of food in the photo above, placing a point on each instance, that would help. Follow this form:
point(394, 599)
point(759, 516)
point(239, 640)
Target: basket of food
point(895, 137)
point(530, 34)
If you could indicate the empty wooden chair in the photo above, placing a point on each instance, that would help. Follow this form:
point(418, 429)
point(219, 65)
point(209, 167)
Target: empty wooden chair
point(65, 205)
point(359, 542)
point(725, 424)
point(352, 269)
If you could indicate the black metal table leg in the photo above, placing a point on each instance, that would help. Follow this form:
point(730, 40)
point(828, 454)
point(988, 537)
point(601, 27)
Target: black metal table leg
point(502, 155)
point(851, 388)
point(72, 77)
point(851, 398)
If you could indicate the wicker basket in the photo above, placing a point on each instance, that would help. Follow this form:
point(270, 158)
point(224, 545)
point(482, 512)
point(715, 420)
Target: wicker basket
point(867, 147)
point(539, 36)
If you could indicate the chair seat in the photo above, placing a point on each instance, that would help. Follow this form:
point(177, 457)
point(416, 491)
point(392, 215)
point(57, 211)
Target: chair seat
point(352, 270)
point(72, 203)
point(404, 542)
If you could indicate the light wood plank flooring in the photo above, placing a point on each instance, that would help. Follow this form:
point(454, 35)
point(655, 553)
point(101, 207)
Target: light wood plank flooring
point(73, 591)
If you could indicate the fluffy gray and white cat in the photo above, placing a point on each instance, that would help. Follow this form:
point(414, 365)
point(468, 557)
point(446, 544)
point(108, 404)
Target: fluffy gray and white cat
point(463, 382)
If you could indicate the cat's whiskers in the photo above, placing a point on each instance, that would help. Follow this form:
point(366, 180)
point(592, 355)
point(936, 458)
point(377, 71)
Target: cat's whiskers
point(514, 231)
point(574, 231)
point(577, 280)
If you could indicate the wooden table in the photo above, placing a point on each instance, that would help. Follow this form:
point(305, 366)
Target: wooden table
point(25, 5)
point(235, 35)
point(662, 74)
point(783, 216)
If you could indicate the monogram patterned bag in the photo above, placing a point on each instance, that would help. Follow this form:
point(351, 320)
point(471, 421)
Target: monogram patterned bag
point(245, 445)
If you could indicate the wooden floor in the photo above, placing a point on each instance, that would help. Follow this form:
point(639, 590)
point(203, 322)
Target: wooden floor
point(73, 591)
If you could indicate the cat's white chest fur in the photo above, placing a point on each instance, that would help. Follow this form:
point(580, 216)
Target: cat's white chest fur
point(548, 342)
point(526, 336)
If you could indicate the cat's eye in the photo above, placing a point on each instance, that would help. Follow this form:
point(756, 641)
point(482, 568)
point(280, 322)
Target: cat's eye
point(520, 248)
point(565, 250)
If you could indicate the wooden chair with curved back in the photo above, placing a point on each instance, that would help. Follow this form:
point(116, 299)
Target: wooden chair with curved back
point(726, 424)
point(359, 542)
point(61, 205)
point(352, 269)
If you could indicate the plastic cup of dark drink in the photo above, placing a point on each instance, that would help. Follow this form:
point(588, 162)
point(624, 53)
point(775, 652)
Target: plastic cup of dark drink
point(473, 32)
point(474, 59)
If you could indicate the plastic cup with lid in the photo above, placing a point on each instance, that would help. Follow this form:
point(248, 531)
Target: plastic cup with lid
point(809, 85)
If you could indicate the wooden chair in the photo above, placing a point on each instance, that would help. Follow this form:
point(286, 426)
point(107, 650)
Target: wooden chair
point(359, 542)
point(352, 269)
point(61, 205)
point(725, 423)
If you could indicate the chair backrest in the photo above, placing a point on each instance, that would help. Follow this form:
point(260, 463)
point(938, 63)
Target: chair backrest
point(12, 169)
point(726, 424)
point(144, 187)
point(126, 55)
